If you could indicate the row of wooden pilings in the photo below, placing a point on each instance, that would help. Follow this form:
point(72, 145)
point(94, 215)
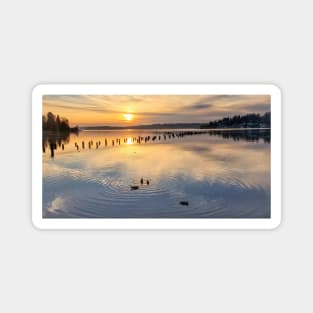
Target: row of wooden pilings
point(138, 140)
point(126, 140)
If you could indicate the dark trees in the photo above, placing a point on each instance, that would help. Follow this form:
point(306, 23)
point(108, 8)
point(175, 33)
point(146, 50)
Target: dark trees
point(55, 123)
point(242, 121)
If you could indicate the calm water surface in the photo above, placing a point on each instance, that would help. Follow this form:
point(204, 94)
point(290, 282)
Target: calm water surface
point(222, 174)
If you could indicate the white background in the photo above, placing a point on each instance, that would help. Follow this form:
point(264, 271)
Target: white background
point(156, 42)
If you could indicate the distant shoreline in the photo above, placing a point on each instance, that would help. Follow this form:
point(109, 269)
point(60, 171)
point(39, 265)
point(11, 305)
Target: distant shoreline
point(167, 128)
point(149, 126)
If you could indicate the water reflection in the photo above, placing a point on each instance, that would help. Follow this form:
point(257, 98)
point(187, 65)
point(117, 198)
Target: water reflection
point(217, 174)
point(242, 134)
point(53, 140)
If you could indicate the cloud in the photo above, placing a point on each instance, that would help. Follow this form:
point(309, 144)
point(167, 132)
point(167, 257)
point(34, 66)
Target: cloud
point(56, 205)
point(198, 106)
point(109, 109)
point(256, 107)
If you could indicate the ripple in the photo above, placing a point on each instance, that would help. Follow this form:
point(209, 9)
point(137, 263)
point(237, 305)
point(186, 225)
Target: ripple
point(98, 184)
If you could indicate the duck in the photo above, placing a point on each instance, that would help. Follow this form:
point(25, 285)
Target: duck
point(184, 202)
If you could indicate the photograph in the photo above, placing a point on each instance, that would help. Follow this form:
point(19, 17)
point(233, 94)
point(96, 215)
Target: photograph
point(156, 156)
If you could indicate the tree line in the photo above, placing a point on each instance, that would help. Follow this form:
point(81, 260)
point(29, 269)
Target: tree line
point(253, 120)
point(55, 123)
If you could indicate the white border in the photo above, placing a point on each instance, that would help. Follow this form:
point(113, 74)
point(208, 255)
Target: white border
point(158, 223)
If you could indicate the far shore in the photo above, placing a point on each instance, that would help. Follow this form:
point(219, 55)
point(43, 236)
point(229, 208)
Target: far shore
point(153, 127)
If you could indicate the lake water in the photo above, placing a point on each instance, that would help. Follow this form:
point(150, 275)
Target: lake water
point(220, 174)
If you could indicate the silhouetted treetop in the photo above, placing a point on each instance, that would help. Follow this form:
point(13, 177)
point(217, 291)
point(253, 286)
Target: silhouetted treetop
point(252, 120)
point(55, 123)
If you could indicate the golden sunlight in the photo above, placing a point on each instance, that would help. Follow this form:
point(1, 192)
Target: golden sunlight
point(128, 117)
point(129, 141)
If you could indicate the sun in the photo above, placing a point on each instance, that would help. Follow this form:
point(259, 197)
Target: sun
point(128, 117)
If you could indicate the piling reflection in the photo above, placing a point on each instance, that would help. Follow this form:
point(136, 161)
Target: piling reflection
point(53, 141)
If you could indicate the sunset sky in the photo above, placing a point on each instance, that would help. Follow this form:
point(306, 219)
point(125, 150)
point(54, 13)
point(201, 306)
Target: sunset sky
point(87, 110)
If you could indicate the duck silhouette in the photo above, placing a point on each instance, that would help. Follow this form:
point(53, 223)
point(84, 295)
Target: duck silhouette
point(184, 202)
